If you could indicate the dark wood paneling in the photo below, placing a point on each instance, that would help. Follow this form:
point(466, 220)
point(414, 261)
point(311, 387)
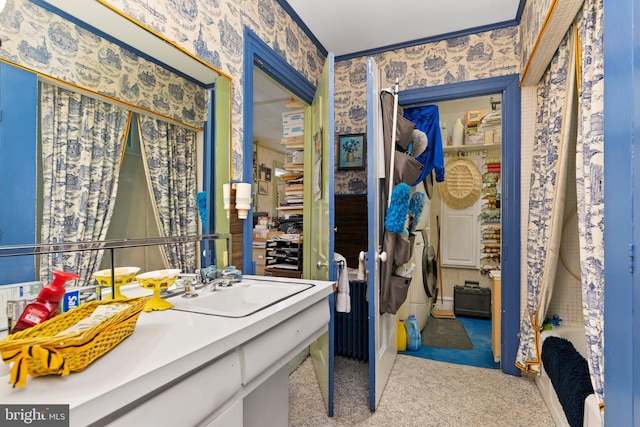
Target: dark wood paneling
point(351, 224)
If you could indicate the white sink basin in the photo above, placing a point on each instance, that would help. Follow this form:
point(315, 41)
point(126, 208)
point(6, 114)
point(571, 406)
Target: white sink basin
point(241, 299)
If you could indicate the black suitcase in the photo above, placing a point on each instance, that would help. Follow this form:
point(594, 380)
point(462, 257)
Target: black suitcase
point(472, 300)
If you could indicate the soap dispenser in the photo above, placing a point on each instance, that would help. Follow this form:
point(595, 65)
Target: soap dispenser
point(47, 303)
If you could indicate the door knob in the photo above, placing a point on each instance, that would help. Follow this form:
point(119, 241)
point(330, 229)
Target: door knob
point(362, 257)
point(382, 256)
point(320, 265)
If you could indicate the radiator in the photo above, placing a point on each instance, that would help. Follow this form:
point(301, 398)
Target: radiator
point(352, 329)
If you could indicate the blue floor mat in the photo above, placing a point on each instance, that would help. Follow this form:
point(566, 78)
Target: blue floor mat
point(479, 331)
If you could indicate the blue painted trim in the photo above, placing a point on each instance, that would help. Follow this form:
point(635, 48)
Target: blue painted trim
point(371, 233)
point(209, 181)
point(621, 188)
point(82, 24)
point(520, 10)
point(508, 87)
point(18, 169)
point(292, 13)
point(258, 53)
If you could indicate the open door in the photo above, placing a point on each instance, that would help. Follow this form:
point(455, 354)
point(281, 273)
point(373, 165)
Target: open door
point(382, 327)
point(318, 233)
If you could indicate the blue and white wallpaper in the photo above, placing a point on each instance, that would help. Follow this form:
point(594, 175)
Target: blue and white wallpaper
point(488, 54)
point(533, 16)
point(213, 31)
point(43, 42)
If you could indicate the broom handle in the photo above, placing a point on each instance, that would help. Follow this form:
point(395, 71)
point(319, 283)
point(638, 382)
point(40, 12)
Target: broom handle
point(439, 267)
point(393, 142)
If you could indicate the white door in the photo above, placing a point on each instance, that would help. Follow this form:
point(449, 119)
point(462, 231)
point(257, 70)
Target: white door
point(460, 232)
point(382, 328)
point(319, 216)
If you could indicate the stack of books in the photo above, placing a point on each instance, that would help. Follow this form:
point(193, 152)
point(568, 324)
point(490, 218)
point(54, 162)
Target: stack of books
point(293, 194)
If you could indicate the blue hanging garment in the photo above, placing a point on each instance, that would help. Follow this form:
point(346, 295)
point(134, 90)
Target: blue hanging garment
point(427, 119)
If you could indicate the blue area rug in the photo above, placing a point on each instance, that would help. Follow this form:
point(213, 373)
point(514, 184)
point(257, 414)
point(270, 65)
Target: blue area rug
point(479, 331)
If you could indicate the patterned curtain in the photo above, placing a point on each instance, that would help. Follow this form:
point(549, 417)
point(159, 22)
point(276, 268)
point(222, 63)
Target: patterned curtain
point(170, 164)
point(556, 94)
point(82, 146)
point(590, 184)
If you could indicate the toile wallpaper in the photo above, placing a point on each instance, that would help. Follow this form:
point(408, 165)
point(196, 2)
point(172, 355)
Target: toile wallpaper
point(533, 17)
point(488, 54)
point(43, 42)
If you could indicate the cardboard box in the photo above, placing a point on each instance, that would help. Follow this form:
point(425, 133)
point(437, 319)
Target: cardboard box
point(293, 130)
point(260, 234)
point(260, 256)
point(293, 117)
point(488, 137)
point(298, 157)
point(473, 117)
point(475, 139)
point(497, 136)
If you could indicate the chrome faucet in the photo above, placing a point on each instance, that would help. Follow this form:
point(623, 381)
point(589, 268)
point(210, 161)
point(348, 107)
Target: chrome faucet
point(211, 277)
point(232, 274)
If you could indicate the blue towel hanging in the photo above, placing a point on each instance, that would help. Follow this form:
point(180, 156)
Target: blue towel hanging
point(427, 119)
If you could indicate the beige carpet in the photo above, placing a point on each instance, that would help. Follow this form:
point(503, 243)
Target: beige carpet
point(420, 392)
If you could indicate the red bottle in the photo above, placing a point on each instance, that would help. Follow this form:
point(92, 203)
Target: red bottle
point(47, 304)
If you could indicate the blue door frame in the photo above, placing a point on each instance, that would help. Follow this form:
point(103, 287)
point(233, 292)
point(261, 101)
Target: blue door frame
point(508, 87)
point(257, 53)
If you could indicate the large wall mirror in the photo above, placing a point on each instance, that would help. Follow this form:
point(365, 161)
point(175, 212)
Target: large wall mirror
point(161, 114)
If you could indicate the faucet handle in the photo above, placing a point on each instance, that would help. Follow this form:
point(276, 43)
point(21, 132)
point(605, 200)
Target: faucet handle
point(189, 288)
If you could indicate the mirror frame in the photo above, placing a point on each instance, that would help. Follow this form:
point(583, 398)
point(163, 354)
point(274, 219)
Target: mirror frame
point(103, 19)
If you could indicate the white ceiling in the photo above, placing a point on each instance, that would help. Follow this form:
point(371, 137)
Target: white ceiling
point(350, 26)
point(347, 27)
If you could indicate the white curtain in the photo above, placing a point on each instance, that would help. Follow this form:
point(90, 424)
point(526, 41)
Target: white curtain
point(82, 145)
point(556, 94)
point(169, 153)
point(590, 184)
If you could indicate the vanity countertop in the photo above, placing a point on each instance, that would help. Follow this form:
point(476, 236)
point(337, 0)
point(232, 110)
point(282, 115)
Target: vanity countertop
point(165, 346)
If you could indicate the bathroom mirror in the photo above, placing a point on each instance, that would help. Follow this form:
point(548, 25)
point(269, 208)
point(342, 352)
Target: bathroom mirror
point(107, 21)
point(119, 42)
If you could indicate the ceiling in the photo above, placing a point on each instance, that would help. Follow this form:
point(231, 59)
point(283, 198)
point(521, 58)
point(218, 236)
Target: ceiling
point(379, 24)
point(350, 26)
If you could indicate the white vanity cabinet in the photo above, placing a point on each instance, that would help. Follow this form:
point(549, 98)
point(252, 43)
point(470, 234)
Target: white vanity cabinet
point(192, 399)
point(181, 368)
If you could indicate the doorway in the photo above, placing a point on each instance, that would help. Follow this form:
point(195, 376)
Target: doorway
point(259, 55)
point(274, 201)
point(508, 87)
point(467, 227)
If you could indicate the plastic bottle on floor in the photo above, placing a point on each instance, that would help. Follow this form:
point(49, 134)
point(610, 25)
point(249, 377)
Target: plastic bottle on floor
point(402, 336)
point(414, 339)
